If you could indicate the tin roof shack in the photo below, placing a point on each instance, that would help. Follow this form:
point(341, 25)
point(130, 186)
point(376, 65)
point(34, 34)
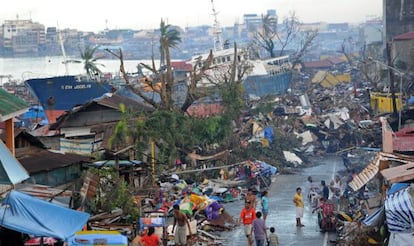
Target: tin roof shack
point(47, 167)
point(87, 128)
point(10, 107)
point(52, 168)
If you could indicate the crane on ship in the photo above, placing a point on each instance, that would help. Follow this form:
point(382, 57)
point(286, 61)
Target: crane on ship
point(218, 42)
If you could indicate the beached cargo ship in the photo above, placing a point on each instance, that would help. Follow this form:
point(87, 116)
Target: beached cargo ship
point(62, 93)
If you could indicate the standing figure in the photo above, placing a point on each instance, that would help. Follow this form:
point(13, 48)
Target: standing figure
point(247, 215)
point(345, 160)
point(251, 197)
point(336, 186)
point(300, 206)
point(325, 190)
point(273, 239)
point(265, 204)
point(180, 236)
point(259, 229)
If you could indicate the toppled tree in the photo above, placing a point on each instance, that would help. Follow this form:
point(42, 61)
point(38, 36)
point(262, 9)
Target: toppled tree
point(169, 126)
point(288, 33)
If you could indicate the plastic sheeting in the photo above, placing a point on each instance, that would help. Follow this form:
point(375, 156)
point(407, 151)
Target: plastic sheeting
point(26, 214)
point(399, 211)
point(11, 171)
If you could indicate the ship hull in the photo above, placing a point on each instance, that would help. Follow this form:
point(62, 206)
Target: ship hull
point(263, 85)
point(60, 94)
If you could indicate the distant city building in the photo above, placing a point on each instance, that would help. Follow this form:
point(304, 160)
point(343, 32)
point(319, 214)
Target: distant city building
point(23, 36)
point(372, 31)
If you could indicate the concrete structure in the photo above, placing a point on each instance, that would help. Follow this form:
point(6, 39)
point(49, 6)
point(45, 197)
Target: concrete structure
point(23, 36)
point(398, 17)
point(402, 50)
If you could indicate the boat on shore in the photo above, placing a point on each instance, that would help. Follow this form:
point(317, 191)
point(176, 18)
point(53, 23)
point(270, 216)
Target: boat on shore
point(261, 77)
point(60, 94)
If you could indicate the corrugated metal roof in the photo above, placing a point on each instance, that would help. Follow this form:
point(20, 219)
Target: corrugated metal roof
point(105, 131)
point(45, 160)
point(372, 169)
point(11, 106)
point(114, 100)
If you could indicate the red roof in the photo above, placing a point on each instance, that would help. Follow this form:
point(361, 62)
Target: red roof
point(405, 36)
point(205, 109)
point(403, 140)
point(181, 65)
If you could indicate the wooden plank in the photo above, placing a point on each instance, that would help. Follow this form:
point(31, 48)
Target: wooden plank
point(206, 169)
point(399, 173)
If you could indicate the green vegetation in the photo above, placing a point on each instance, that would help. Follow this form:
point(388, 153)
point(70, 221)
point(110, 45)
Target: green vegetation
point(113, 193)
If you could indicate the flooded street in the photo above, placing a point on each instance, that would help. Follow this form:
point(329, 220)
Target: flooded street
point(282, 210)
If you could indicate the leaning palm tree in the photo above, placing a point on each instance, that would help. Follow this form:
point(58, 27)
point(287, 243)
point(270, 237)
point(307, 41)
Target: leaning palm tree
point(89, 61)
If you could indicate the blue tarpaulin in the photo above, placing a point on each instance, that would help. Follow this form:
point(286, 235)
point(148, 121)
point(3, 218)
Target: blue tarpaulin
point(268, 134)
point(30, 215)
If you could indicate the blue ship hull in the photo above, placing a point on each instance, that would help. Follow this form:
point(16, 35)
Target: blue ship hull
point(262, 85)
point(60, 94)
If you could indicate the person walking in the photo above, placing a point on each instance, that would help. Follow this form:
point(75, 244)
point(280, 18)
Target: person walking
point(300, 206)
point(259, 229)
point(273, 239)
point(247, 215)
point(265, 204)
point(180, 236)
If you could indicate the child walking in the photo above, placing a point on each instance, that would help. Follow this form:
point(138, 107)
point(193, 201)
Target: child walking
point(273, 239)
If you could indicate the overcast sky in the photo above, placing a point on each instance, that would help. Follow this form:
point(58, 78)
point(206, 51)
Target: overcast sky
point(96, 15)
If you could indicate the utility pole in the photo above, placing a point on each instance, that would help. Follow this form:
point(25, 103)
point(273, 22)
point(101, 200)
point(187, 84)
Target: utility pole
point(391, 77)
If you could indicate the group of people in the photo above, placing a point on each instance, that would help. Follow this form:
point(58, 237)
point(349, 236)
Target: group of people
point(332, 191)
point(324, 197)
point(254, 222)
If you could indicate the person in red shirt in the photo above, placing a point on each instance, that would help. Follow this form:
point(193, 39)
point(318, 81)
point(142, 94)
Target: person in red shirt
point(247, 215)
point(150, 239)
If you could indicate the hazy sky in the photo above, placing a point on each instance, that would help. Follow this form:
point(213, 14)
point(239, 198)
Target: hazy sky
point(95, 15)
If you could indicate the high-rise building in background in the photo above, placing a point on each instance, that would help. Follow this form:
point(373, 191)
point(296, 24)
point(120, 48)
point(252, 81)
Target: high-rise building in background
point(23, 36)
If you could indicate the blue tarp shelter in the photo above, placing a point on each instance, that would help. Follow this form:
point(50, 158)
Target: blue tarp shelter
point(30, 215)
point(11, 171)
